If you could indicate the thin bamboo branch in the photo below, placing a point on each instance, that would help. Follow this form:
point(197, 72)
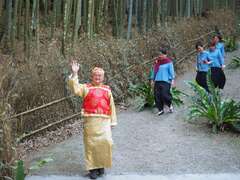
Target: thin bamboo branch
point(201, 36)
point(188, 54)
point(48, 126)
point(40, 107)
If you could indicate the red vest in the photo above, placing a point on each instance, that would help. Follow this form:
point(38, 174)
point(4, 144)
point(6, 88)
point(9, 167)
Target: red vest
point(97, 101)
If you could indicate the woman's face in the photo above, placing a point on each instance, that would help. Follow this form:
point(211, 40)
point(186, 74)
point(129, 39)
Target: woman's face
point(199, 49)
point(97, 78)
point(215, 39)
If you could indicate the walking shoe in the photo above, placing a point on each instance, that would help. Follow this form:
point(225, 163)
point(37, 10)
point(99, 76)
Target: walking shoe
point(171, 109)
point(160, 112)
point(101, 171)
point(93, 174)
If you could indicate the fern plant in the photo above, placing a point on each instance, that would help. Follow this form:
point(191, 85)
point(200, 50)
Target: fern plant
point(143, 94)
point(235, 63)
point(230, 44)
point(212, 107)
point(177, 96)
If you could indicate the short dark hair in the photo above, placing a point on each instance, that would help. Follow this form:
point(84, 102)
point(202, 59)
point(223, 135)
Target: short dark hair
point(199, 43)
point(219, 35)
point(163, 51)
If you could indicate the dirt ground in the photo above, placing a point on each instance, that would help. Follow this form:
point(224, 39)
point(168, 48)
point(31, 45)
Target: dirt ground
point(145, 143)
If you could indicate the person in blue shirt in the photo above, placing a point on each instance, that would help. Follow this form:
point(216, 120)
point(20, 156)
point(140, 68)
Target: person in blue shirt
point(217, 39)
point(202, 66)
point(217, 66)
point(162, 77)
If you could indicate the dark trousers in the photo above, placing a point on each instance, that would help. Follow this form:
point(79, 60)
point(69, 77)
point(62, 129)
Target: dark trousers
point(162, 94)
point(218, 77)
point(201, 79)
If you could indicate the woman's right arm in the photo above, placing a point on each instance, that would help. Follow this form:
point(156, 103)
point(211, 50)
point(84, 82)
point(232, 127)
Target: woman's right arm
point(73, 83)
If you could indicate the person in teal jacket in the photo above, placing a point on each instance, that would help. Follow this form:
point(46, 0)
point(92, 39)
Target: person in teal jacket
point(217, 39)
point(202, 66)
point(217, 66)
point(162, 77)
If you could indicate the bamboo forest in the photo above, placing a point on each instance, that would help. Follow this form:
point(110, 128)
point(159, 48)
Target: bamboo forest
point(159, 78)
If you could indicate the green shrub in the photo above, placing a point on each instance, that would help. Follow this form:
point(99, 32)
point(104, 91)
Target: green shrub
point(143, 94)
point(20, 171)
point(230, 44)
point(211, 106)
point(235, 63)
point(177, 96)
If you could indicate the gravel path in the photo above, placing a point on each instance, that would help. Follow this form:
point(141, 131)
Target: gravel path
point(145, 143)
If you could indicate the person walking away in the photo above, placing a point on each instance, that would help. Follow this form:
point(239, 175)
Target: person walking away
point(162, 78)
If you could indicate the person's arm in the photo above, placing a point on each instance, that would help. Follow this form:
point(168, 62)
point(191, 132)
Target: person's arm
point(223, 50)
point(75, 86)
point(113, 111)
point(73, 83)
point(171, 74)
point(221, 59)
point(151, 77)
point(151, 74)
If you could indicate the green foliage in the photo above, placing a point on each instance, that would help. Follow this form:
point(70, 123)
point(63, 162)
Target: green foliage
point(177, 95)
point(20, 171)
point(5, 171)
point(235, 63)
point(230, 44)
point(144, 95)
point(236, 126)
point(41, 163)
point(211, 106)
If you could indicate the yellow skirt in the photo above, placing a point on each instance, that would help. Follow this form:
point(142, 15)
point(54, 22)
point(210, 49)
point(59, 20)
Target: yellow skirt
point(98, 142)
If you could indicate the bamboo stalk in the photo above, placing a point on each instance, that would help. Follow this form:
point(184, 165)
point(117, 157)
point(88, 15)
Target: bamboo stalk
point(130, 20)
point(90, 18)
point(9, 19)
point(40, 107)
point(37, 28)
point(1, 7)
point(85, 15)
point(14, 26)
point(48, 126)
point(26, 30)
point(65, 26)
point(54, 17)
point(77, 23)
point(144, 16)
point(19, 26)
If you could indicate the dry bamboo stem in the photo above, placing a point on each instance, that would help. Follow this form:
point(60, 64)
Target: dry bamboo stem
point(48, 126)
point(40, 107)
point(189, 54)
point(201, 36)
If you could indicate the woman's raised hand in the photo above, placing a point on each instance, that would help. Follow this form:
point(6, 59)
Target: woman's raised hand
point(75, 67)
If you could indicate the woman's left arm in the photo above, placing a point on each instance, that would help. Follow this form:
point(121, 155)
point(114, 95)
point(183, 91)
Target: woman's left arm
point(113, 111)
